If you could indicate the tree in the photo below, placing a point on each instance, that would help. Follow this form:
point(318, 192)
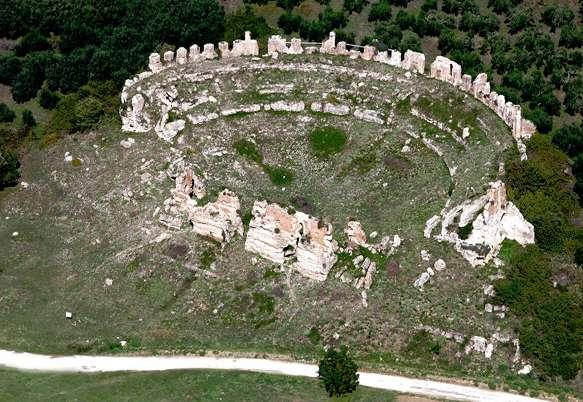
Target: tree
point(289, 22)
point(570, 139)
point(9, 168)
point(380, 11)
point(48, 99)
point(338, 372)
point(9, 68)
point(28, 118)
point(6, 114)
point(574, 96)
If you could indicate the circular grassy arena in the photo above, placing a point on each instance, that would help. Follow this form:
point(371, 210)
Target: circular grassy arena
point(79, 225)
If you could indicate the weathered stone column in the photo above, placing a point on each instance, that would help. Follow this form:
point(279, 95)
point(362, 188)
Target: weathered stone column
point(224, 49)
point(168, 57)
point(181, 55)
point(296, 46)
point(154, 63)
point(368, 53)
point(209, 51)
point(194, 54)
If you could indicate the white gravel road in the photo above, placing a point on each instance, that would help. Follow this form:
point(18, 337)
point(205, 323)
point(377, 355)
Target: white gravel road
point(92, 364)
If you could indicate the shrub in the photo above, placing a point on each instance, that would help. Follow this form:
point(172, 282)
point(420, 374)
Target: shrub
point(28, 118)
point(464, 231)
point(6, 114)
point(248, 150)
point(327, 141)
point(9, 168)
point(314, 336)
point(279, 176)
point(289, 22)
point(48, 99)
point(338, 371)
point(380, 11)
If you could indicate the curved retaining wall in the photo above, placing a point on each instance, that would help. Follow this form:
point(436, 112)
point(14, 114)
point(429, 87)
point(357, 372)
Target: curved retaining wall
point(441, 68)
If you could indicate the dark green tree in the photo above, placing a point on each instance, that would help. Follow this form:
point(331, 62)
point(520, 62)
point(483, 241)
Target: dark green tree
point(9, 168)
point(28, 119)
point(6, 114)
point(338, 372)
point(48, 99)
point(380, 11)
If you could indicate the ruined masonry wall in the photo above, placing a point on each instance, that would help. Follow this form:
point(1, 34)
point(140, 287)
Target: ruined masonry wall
point(441, 68)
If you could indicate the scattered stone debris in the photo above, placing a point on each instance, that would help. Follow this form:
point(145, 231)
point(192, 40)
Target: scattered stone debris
point(356, 235)
point(127, 143)
point(68, 315)
point(425, 256)
point(439, 265)
point(525, 370)
point(108, 282)
point(422, 280)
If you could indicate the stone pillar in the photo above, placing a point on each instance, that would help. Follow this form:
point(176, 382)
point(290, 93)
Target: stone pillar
point(368, 53)
point(224, 49)
point(500, 104)
point(181, 55)
point(517, 125)
point(467, 82)
point(168, 57)
point(329, 45)
point(414, 61)
point(296, 46)
point(479, 83)
point(194, 54)
point(276, 44)
point(341, 49)
point(382, 57)
point(395, 59)
point(251, 47)
point(154, 62)
point(209, 51)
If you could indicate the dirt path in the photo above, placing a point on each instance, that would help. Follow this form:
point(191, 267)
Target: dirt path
point(92, 364)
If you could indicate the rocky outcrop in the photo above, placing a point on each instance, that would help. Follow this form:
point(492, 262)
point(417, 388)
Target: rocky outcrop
point(218, 220)
point(497, 219)
point(278, 236)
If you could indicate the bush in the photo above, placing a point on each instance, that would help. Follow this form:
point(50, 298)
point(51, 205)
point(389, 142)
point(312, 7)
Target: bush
point(464, 231)
point(248, 150)
point(28, 118)
point(48, 99)
point(6, 114)
point(551, 331)
point(279, 176)
point(354, 5)
point(380, 11)
point(327, 141)
point(338, 372)
point(10, 66)
point(289, 22)
point(569, 138)
point(9, 168)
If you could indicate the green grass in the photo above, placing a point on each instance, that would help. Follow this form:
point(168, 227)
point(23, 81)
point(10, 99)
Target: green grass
point(248, 150)
point(327, 141)
point(169, 386)
point(279, 176)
